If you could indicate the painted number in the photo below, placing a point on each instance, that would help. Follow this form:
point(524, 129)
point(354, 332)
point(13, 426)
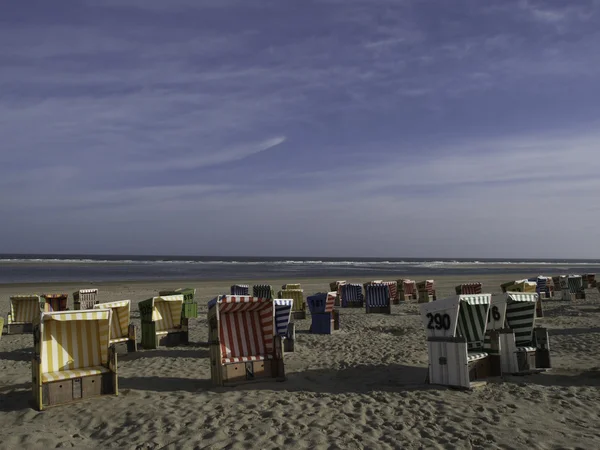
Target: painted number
point(438, 321)
point(495, 314)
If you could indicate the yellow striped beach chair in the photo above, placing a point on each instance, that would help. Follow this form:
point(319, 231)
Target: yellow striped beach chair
point(122, 331)
point(162, 324)
point(72, 359)
point(299, 305)
point(23, 310)
point(456, 328)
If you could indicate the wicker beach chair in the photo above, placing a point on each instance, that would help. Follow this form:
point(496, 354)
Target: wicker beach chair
point(426, 291)
point(468, 289)
point(243, 345)
point(325, 318)
point(284, 328)
point(23, 311)
point(122, 330)
point(189, 309)
point(455, 328)
point(162, 324)
point(377, 299)
point(351, 295)
point(54, 302)
point(524, 348)
point(263, 291)
point(239, 289)
point(72, 359)
point(574, 288)
point(299, 306)
point(85, 299)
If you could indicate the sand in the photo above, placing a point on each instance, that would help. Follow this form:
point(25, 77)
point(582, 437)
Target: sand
point(360, 388)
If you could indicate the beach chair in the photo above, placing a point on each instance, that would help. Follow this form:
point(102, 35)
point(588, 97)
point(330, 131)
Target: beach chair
point(393, 286)
point(85, 299)
point(589, 280)
point(426, 290)
point(23, 311)
point(122, 330)
point(455, 328)
point(54, 302)
point(162, 324)
point(377, 299)
point(334, 285)
point(72, 359)
point(283, 327)
point(524, 348)
point(407, 290)
point(325, 319)
point(468, 289)
point(574, 288)
point(240, 289)
point(351, 296)
point(299, 306)
point(542, 286)
point(263, 291)
point(189, 309)
point(243, 345)
point(561, 285)
point(291, 286)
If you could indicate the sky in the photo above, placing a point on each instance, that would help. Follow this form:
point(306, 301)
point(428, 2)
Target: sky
point(372, 128)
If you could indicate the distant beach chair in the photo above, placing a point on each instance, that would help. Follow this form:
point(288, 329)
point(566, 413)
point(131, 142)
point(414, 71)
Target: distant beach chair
point(575, 287)
point(189, 309)
point(542, 285)
point(334, 285)
point(560, 286)
point(244, 346)
point(325, 319)
point(291, 286)
point(407, 290)
point(456, 328)
point(54, 302)
point(377, 299)
point(72, 357)
point(283, 327)
point(468, 289)
point(426, 291)
point(523, 347)
point(589, 280)
point(162, 324)
point(263, 291)
point(122, 330)
point(299, 306)
point(85, 299)
point(23, 311)
point(351, 295)
point(240, 289)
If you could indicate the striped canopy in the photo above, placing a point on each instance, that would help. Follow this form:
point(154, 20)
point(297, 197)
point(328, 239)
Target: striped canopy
point(377, 295)
point(297, 295)
point(408, 287)
point(520, 316)
point(166, 311)
point(119, 324)
point(239, 289)
point(351, 293)
point(427, 285)
point(468, 288)
point(73, 340)
point(246, 328)
point(263, 291)
point(283, 312)
point(24, 308)
point(575, 284)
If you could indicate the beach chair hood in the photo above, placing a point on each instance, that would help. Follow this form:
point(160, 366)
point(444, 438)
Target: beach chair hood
point(119, 324)
point(24, 308)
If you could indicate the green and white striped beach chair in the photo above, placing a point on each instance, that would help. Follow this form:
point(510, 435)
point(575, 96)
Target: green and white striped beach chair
point(524, 348)
point(455, 328)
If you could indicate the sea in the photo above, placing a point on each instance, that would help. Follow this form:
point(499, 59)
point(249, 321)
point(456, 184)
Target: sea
point(17, 269)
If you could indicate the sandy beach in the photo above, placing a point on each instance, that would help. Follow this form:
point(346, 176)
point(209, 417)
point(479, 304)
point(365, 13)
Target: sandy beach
point(362, 387)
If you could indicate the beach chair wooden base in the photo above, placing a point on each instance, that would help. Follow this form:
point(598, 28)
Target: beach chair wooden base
point(298, 315)
point(379, 310)
point(325, 323)
point(425, 297)
point(252, 372)
point(19, 328)
point(354, 305)
point(67, 391)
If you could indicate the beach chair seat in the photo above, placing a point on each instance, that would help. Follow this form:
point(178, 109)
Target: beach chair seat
point(239, 289)
point(426, 290)
point(468, 289)
point(73, 358)
point(351, 295)
point(162, 324)
point(456, 329)
point(263, 291)
point(325, 318)
point(54, 302)
point(377, 299)
point(524, 348)
point(189, 309)
point(85, 299)
point(299, 304)
point(122, 331)
point(24, 309)
point(244, 342)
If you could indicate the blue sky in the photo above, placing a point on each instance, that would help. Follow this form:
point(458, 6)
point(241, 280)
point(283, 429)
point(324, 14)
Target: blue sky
point(313, 127)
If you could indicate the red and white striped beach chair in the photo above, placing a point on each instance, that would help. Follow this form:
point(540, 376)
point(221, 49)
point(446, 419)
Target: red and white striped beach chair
point(407, 290)
point(468, 289)
point(426, 291)
point(243, 344)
